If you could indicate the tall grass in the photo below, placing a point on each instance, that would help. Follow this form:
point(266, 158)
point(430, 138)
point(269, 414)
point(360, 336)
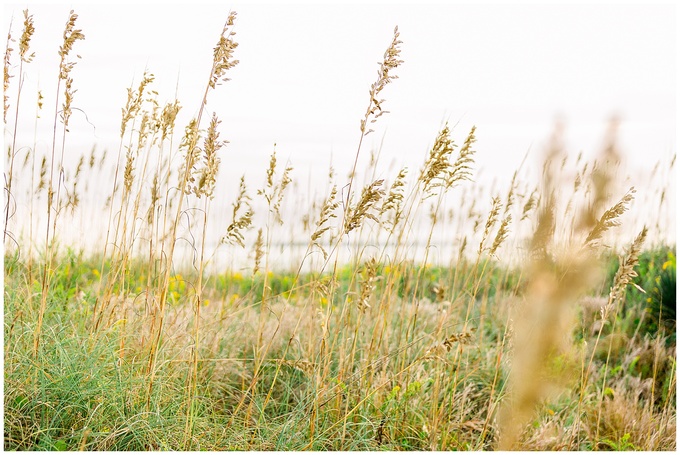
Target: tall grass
point(528, 335)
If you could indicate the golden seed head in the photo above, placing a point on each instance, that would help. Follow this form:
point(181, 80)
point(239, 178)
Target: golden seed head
point(25, 40)
point(7, 75)
point(240, 221)
point(370, 196)
point(389, 63)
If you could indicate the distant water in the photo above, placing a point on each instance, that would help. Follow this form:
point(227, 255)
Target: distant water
point(86, 226)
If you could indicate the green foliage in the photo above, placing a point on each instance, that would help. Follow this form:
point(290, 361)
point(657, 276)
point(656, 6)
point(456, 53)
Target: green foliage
point(86, 395)
point(621, 445)
point(650, 305)
point(661, 303)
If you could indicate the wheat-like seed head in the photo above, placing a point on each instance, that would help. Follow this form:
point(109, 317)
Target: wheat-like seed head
point(168, 117)
point(502, 233)
point(367, 284)
point(390, 62)
point(68, 99)
point(40, 102)
point(577, 182)
point(72, 196)
point(529, 205)
point(439, 350)
point(207, 175)
point(71, 35)
point(609, 218)
point(462, 169)
point(394, 200)
point(155, 117)
point(259, 251)
point(274, 196)
point(327, 212)
point(155, 196)
point(283, 184)
point(134, 101)
point(128, 176)
point(27, 157)
point(626, 271)
point(79, 167)
point(91, 160)
point(189, 141)
point(25, 40)
point(146, 128)
point(223, 53)
point(43, 173)
point(370, 196)
point(504, 229)
point(7, 75)
point(490, 221)
point(461, 337)
point(240, 222)
point(271, 169)
point(510, 198)
point(437, 168)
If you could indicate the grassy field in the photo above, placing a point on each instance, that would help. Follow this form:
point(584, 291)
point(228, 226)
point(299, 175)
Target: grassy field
point(543, 330)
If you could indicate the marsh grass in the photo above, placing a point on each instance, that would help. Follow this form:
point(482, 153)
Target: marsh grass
point(530, 334)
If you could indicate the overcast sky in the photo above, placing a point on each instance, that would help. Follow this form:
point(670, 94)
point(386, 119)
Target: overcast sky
point(305, 72)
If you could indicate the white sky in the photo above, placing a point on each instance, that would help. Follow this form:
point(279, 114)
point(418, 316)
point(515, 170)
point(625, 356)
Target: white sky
point(305, 71)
